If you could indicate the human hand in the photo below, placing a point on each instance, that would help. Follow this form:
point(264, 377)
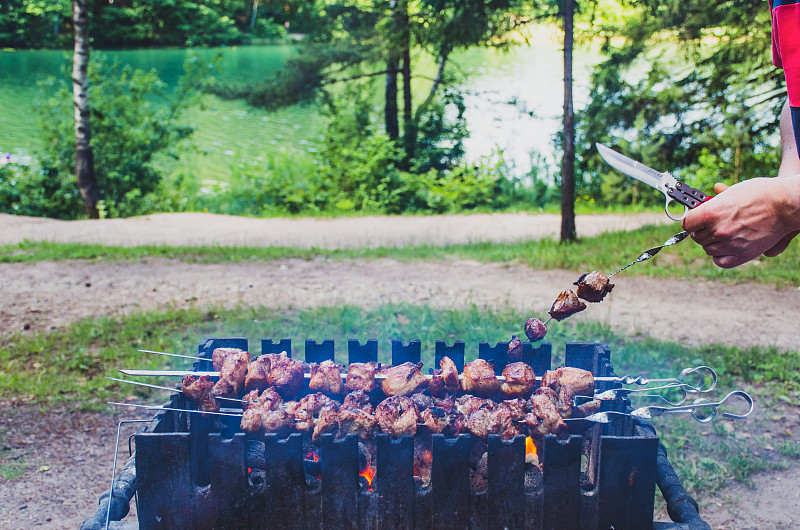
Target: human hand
point(754, 217)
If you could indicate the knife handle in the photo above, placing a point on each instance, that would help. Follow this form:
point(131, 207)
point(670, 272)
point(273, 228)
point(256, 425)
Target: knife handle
point(687, 195)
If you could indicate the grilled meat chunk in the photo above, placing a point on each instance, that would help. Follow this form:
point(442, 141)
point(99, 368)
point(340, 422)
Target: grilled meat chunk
point(491, 419)
point(276, 421)
point(404, 380)
point(594, 286)
point(304, 412)
point(566, 304)
point(357, 400)
point(515, 349)
point(198, 390)
point(219, 355)
point(436, 419)
point(268, 399)
point(328, 422)
point(535, 329)
point(223, 388)
point(326, 378)
point(445, 379)
point(251, 420)
point(361, 376)
point(232, 374)
point(544, 417)
point(356, 421)
point(258, 374)
point(582, 381)
point(520, 380)
point(286, 376)
point(479, 379)
point(397, 416)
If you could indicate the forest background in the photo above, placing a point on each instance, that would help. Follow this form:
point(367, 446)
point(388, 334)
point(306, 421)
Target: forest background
point(690, 88)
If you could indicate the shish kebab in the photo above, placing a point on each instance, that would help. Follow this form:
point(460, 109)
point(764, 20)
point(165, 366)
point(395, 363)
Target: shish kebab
point(705, 375)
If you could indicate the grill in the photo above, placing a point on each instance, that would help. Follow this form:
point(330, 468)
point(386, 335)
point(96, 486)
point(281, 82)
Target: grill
point(195, 471)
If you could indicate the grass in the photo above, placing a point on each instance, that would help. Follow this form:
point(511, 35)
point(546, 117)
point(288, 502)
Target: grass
point(607, 252)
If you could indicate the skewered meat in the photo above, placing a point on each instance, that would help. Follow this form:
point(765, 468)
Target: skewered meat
point(582, 381)
point(397, 416)
point(422, 401)
point(232, 374)
point(586, 409)
point(515, 348)
point(258, 374)
point(544, 417)
point(361, 376)
point(356, 421)
point(219, 355)
point(305, 411)
point(268, 399)
point(328, 422)
point(445, 378)
point(357, 400)
point(286, 376)
point(594, 286)
point(480, 379)
point(535, 329)
point(436, 419)
point(491, 419)
point(261, 418)
point(251, 420)
point(467, 404)
point(404, 380)
point(518, 408)
point(198, 390)
point(520, 380)
point(566, 304)
point(326, 378)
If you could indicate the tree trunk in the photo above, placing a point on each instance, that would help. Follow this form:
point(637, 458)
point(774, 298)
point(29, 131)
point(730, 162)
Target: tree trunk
point(568, 163)
point(253, 18)
point(409, 124)
point(390, 109)
point(84, 158)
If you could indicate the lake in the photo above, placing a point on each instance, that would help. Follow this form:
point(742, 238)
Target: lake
point(514, 102)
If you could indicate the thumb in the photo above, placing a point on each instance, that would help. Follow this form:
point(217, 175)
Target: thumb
point(719, 187)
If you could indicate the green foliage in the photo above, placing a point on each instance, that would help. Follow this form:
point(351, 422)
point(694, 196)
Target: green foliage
point(133, 119)
point(691, 89)
point(35, 23)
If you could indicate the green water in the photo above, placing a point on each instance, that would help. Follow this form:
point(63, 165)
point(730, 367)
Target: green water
point(513, 103)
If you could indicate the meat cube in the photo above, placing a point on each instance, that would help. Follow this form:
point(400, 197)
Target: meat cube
point(357, 400)
point(404, 380)
point(251, 420)
point(326, 378)
point(397, 416)
point(223, 388)
point(582, 381)
point(361, 376)
point(479, 379)
point(258, 374)
point(268, 399)
point(287, 377)
point(535, 329)
point(445, 379)
point(566, 304)
point(198, 390)
point(276, 421)
point(519, 408)
point(219, 355)
point(520, 381)
point(436, 419)
point(328, 422)
point(234, 371)
point(515, 348)
point(356, 421)
point(467, 404)
point(594, 286)
point(491, 420)
point(544, 417)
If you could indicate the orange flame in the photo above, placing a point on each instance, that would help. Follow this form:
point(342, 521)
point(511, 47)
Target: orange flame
point(312, 455)
point(530, 451)
point(369, 474)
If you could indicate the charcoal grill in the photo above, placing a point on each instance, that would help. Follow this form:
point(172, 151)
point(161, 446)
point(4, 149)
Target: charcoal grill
point(194, 471)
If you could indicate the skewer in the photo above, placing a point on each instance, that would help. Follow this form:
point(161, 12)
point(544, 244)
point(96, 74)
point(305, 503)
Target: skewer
point(649, 253)
point(161, 407)
point(177, 390)
point(183, 373)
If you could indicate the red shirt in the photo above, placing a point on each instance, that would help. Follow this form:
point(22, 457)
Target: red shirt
point(786, 52)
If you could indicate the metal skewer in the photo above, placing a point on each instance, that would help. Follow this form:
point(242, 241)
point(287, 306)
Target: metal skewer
point(649, 253)
point(161, 407)
point(176, 390)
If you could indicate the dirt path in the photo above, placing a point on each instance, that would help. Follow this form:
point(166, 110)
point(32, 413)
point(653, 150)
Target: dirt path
point(46, 295)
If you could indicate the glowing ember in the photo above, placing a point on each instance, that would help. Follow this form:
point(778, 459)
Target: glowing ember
point(312, 456)
point(369, 474)
point(530, 452)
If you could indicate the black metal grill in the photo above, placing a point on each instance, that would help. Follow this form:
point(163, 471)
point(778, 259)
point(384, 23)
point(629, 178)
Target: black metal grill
point(192, 471)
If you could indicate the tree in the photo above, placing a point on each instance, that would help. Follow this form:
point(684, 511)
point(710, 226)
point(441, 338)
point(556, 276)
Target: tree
point(84, 158)
point(568, 232)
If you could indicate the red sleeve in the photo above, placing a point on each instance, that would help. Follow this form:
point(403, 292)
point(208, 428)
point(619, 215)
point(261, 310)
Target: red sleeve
point(776, 50)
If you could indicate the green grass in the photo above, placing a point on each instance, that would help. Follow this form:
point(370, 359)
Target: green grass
point(607, 253)
point(67, 368)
